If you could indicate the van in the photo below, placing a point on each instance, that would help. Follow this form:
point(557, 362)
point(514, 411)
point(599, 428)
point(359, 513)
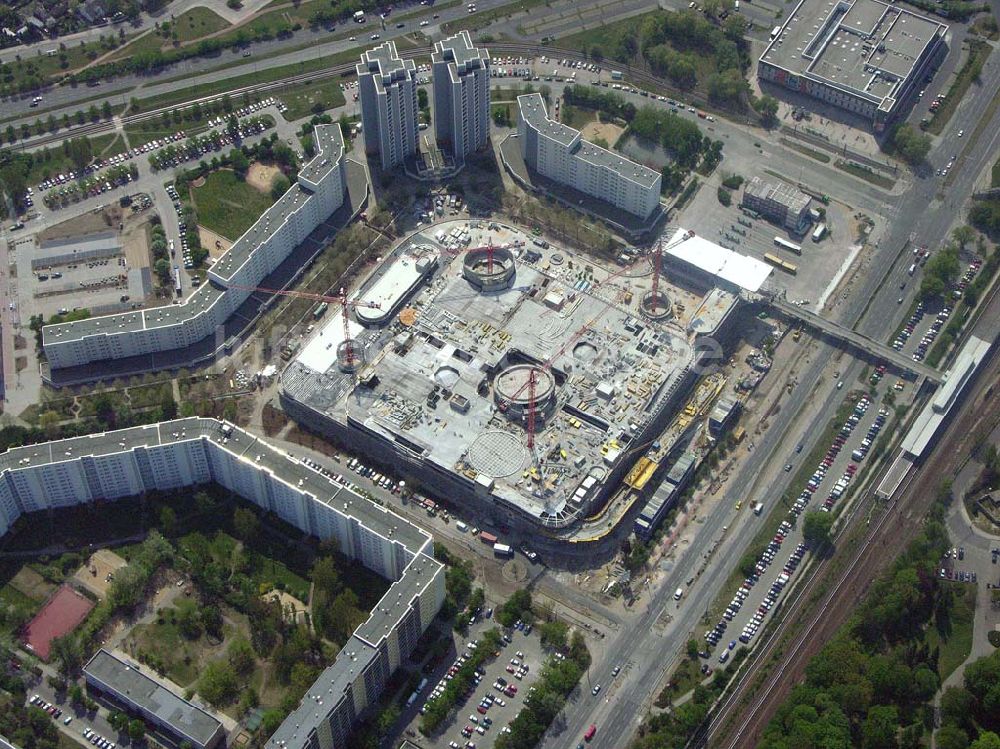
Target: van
point(758, 508)
point(678, 593)
point(912, 269)
point(461, 526)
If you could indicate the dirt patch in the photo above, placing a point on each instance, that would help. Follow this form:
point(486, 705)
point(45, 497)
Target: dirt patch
point(606, 130)
point(92, 222)
point(94, 576)
point(135, 242)
point(199, 182)
point(31, 584)
point(292, 608)
point(216, 244)
point(260, 176)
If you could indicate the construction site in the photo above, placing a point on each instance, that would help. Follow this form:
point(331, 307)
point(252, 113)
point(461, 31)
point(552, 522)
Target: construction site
point(513, 376)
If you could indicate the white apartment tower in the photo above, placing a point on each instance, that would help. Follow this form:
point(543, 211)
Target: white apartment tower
point(388, 94)
point(461, 94)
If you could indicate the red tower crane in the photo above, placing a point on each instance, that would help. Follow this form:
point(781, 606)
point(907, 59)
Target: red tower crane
point(657, 259)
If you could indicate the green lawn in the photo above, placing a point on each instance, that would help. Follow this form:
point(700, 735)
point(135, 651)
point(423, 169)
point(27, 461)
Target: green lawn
point(480, 20)
point(577, 117)
point(189, 26)
point(868, 175)
point(227, 205)
point(58, 162)
point(954, 639)
point(806, 151)
point(995, 175)
point(300, 99)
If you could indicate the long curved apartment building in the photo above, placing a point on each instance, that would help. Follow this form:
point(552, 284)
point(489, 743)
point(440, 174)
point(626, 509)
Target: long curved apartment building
point(318, 192)
point(187, 452)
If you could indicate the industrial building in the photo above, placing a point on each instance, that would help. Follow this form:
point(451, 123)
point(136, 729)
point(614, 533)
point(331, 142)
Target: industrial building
point(863, 56)
point(186, 452)
point(125, 685)
point(722, 416)
point(318, 192)
point(783, 204)
point(510, 378)
point(461, 95)
point(557, 151)
point(700, 263)
point(387, 89)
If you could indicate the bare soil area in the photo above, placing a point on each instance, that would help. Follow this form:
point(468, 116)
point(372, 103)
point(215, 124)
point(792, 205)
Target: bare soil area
point(216, 244)
point(606, 130)
point(260, 176)
point(94, 575)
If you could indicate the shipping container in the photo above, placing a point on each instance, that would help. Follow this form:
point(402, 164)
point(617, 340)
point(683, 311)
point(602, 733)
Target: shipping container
point(487, 538)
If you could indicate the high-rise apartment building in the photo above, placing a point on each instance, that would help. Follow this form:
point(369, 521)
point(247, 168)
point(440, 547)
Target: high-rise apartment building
point(388, 92)
point(461, 95)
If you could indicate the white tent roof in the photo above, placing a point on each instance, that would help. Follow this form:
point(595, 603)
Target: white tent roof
point(741, 270)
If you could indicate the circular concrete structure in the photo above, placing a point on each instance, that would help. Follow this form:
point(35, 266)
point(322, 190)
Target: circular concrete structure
point(489, 275)
point(446, 377)
point(497, 454)
point(512, 392)
point(350, 355)
point(664, 308)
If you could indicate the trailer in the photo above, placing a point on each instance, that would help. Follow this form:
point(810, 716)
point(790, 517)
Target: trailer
point(487, 538)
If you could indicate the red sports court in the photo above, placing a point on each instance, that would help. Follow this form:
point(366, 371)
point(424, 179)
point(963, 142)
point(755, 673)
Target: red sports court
point(59, 616)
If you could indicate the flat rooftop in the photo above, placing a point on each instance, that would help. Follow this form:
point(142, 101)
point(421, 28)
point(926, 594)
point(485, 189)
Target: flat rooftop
point(866, 47)
point(329, 152)
point(432, 385)
point(458, 49)
point(533, 110)
point(290, 470)
point(792, 198)
point(746, 272)
point(128, 681)
point(386, 65)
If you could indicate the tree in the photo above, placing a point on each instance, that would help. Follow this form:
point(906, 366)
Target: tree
point(241, 656)
point(218, 683)
point(68, 653)
point(986, 740)
point(692, 649)
point(188, 619)
point(136, 730)
point(553, 634)
point(106, 111)
point(422, 99)
point(239, 162)
point(950, 736)
point(279, 186)
point(168, 520)
point(816, 528)
point(879, 729)
point(913, 146)
point(963, 235)
point(246, 525)
point(767, 106)
point(162, 269)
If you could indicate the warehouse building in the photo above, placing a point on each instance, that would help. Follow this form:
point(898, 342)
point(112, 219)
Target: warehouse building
point(187, 452)
point(557, 151)
point(318, 192)
point(461, 95)
point(124, 685)
point(863, 56)
point(783, 204)
point(387, 88)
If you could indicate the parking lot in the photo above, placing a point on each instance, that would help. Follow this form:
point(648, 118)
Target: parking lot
point(760, 592)
point(499, 691)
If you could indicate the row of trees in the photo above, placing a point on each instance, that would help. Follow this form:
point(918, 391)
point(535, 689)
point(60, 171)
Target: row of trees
point(873, 684)
point(40, 127)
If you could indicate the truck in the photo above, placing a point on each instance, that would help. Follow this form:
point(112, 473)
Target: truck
point(819, 232)
point(487, 538)
point(320, 311)
point(616, 75)
point(774, 32)
point(359, 17)
point(502, 550)
point(758, 508)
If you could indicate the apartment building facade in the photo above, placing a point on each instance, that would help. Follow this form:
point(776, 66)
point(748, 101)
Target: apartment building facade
point(387, 88)
point(461, 95)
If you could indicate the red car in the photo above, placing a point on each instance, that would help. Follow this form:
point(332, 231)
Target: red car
point(481, 710)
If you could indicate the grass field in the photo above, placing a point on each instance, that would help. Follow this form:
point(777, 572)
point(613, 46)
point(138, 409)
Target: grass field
point(227, 205)
point(955, 642)
point(867, 175)
point(978, 52)
point(301, 99)
point(577, 117)
point(995, 175)
point(189, 26)
point(806, 151)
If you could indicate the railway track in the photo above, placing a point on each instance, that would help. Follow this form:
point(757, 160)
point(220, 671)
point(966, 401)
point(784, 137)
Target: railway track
point(636, 75)
point(887, 536)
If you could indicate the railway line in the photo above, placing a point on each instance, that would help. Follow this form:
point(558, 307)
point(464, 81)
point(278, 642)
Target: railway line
point(762, 691)
point(636, 75)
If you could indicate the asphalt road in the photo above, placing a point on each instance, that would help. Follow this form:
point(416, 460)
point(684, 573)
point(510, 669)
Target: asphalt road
point(619, 710)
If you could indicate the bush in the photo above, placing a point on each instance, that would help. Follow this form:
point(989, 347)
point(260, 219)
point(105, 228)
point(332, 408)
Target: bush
point(725, 197)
